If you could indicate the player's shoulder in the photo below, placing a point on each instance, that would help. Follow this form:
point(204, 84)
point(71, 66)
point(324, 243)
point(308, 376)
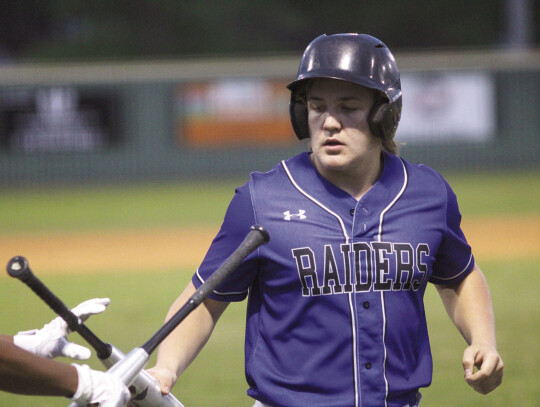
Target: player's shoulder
point(296, 164)
point(420, 169)
point(268, 180)
point(424, 176)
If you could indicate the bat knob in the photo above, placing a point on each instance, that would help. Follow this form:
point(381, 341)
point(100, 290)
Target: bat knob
point(263, 231)
point(18, 267)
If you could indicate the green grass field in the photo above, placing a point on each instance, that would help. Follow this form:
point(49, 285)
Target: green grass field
point(140, 299)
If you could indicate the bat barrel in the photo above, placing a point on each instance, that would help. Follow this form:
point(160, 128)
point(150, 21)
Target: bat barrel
point(129, 367)
point(145, 389)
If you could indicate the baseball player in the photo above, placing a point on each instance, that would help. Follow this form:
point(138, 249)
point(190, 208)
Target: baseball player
point(335, 313)
point(25, 367)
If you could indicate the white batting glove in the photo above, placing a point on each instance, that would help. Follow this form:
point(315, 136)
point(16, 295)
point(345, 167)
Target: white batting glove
point(99, 387)
point(51, 340)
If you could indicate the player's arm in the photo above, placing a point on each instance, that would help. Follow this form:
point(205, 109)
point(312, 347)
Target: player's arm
point(24, 373)
point(469, 306)
point(182, 345)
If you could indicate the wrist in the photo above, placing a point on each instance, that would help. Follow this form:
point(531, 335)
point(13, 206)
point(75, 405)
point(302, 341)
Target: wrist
point(84, 391)
point(483, 341)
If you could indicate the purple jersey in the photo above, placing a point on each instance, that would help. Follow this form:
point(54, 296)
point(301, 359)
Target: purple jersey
point(335, 315)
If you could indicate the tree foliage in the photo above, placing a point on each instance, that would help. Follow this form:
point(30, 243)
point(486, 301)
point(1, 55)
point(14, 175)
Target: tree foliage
point(82, 30)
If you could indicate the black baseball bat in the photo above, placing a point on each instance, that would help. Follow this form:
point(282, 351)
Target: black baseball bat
point(19, 268)
point(137, 358)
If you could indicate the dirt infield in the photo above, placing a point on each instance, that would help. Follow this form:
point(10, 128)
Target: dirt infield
point(502, 238)
point(120, 250)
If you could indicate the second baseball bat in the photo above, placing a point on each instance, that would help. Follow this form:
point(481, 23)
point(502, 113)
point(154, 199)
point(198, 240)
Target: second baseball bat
point(137, 358)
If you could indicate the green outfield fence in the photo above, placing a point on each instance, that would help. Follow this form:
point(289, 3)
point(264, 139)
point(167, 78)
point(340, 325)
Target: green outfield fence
point(127, 121)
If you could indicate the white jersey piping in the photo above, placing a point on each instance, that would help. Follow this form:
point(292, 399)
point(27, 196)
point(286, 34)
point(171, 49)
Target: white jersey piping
point(458, 274)
point(379, 238)
point(344, 231)
point(218, 292)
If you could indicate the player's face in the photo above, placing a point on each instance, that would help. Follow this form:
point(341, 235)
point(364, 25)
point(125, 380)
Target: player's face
point(341, 140)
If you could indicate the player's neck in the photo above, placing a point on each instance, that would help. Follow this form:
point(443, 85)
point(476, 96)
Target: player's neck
point(358, 180)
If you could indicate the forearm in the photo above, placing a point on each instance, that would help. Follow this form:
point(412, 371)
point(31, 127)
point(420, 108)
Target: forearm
point(470, 308)
point(24, 373)
point(181, 347)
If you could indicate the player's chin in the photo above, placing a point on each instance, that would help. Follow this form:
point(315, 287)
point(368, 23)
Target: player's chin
point(336, 162)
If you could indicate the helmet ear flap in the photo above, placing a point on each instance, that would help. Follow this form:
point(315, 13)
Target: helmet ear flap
point(299, 117)
point(384, 119)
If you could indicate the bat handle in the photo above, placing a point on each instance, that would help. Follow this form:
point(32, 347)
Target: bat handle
point(19, 268)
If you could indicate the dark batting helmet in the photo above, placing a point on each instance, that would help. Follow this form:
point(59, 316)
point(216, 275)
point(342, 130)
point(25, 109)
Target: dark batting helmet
point(357, 58)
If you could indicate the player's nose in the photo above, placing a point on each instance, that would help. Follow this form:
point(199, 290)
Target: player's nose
point(331, 122)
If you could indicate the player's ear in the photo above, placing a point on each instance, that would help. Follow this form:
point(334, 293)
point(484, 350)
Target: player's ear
point(384, 118)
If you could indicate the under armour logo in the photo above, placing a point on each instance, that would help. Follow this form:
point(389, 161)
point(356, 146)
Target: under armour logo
point(300, 215)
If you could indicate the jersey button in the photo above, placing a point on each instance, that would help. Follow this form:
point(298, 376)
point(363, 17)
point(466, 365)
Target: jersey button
point(368, 365)
point(352, 211)
point(366, 305)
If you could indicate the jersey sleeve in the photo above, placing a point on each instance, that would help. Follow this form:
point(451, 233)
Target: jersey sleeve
point(454, 259)
point(237, 223)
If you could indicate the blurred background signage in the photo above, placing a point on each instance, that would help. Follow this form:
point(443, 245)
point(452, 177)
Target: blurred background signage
point(55, 119)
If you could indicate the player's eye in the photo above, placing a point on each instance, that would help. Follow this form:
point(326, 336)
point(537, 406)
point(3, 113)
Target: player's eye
point(350, 107)
point(316, 107)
